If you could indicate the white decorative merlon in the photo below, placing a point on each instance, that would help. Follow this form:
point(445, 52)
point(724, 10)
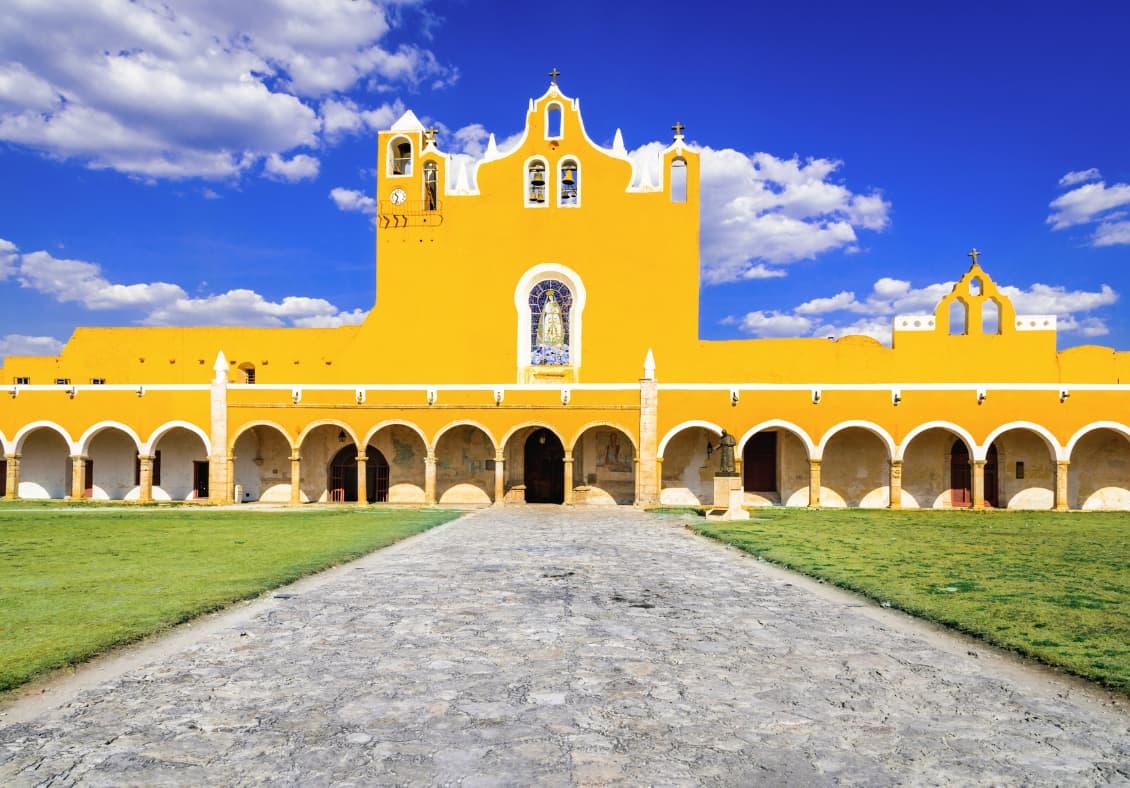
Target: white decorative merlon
point(618, 143)
point(408, 122)
point(915, 323)
point(492, 148)
point(649, 366)
point(221, 368)
point(1035, 322)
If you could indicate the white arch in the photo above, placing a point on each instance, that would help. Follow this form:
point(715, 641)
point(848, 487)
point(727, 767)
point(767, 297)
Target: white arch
point(611, 425)
point(549, 106)
point(576, 312)
point(526, 181)
point(1094, 425)
point(5, 444)
point(686, 425)
point(326, 423)
point(461, 423)
point(159, 433)
point(949, 426)
point(580, 179)
point(83, 443)
point(395, 423)
point(389, 156)
point(27, 429)
point(870, 426)
point(982, 451)
point(809, 446)
point(262, 423)
point(536, 424)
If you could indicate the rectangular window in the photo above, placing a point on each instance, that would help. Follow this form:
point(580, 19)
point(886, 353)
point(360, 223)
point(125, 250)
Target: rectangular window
point(1019, 469)
point(98, 381)
point(23, 381)
point(62, 381)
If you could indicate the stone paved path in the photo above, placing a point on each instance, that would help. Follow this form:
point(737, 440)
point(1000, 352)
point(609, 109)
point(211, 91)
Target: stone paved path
point(539, 645)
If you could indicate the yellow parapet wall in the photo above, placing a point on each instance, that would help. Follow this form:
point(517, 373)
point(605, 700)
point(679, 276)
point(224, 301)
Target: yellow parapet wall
point(534, 337)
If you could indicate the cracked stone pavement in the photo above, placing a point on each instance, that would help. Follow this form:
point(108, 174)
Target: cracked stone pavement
point(557, 646)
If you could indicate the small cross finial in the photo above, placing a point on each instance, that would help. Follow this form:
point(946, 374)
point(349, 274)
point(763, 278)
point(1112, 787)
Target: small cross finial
point(974, 254)
point(553, 75)
point(678, 129)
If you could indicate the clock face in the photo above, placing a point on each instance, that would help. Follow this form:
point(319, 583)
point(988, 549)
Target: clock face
point(398, 196)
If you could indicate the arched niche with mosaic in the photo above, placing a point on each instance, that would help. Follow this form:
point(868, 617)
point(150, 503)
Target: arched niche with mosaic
point(551, 304)
point(549, 299)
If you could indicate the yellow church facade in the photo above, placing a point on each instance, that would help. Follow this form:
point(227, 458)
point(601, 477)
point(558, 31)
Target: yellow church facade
point(535, 339)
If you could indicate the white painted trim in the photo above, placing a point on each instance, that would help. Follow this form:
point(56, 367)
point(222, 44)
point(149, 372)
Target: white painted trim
point(83, 442)
point(149, 446)
point(411, 156)
point(5, 444)
point(526, 182)
point(686, 425)
point(27, 429)
point(982, 451)
point(461, 423)
point(539, 273)
point(949, 426)
point(1115, 426)
point(263, 423)
point(536, 424)
point(395, 423)
point(891, 386)
point(870, 426)
point(780, 424)
point(326, 423)
point(580, 180)
point(610, 425)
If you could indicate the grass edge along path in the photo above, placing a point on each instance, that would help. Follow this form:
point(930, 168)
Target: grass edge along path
point(74, 586)
point(1049, 586)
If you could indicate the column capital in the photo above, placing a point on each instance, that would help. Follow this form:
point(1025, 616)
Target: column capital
point(499, 457)
point(1063, 463)
point(815, 463)
point(14, 457)
point(362, 459)
point(78, 457)
point(430, 459)
point(146, 457)
point(295, 458)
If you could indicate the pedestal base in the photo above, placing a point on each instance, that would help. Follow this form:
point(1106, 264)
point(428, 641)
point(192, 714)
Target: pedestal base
point(729, 499)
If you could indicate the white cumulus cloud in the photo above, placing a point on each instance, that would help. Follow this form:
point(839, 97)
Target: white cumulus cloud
point(24, 345)
point(298, 168)
point(353, 200)
point(1093, 203)
point(1080, 176)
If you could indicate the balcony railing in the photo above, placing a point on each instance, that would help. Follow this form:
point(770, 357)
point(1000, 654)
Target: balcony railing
point(410, 213)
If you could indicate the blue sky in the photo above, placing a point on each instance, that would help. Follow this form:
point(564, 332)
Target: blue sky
point(189, 163)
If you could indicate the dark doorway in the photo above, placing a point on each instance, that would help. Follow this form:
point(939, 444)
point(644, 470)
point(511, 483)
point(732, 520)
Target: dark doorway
point(88, 481)
point(759, 463)
point(200, 478)
point(992, 488)
point(3, 478)
point(961, 478)
point(545, 468)
point(343, 475)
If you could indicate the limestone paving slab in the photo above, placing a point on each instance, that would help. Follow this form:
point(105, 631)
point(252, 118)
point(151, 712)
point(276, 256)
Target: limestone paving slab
point(561, 647)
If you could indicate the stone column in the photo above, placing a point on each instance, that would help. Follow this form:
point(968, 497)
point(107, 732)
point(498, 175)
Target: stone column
point(229, 488)
point(219, 471)
point(568, 478)
point(636, 476)
point(650, 477)
point(1061, 502)
point(145, 478)
point(978, 484)
point(362, 486)
point(499, 479)
point(430, 479)
point(13, 480)
point(814, 484)
point(295, 479)
point(896, 484)
point(78, 477)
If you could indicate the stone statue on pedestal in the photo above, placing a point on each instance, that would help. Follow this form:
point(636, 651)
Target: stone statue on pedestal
point(726, 465)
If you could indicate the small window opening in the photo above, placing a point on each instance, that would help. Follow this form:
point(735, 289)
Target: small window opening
point(553, 122)
point(62, 381)
point(991, 317)
point(431, 186)
point(401, 150)
point(247, 373)
point(98, 381)
point(1019, 469)
point(23, 381)
point(535, 194)
point(958, 317)
point(975, 286)
point(570, 183)
point(678, 180)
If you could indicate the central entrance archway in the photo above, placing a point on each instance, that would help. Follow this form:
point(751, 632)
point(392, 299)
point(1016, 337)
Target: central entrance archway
point(343, 475)
point(544, 468)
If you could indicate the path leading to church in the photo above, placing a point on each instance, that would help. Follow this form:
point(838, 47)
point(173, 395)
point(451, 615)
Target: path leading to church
point(565, 647)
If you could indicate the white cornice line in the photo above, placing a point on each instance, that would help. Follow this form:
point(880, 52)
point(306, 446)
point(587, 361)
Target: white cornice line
point(890, 386)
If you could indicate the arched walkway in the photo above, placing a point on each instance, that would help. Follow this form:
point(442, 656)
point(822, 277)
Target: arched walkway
point(1099, 473)
point(604, 466)
point(320, 444)
point(181, 474)
point(534, 465)
point(688, 464)
point(112, 468)
point(45, 462)
point(1026, 468)
point(404, 448)
point(936, 471)
point(464, 462)
point(344, 477)
point(855, 471)
point(262, 464)
point(774, 464)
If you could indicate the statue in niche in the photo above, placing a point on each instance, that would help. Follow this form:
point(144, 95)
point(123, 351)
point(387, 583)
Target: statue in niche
point(551, 328)
point(726, 465)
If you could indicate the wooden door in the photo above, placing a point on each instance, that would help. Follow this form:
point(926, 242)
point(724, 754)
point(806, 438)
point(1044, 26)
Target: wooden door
point(759, 463)
point(961, 477)
point(200, 478)
point(544, 468)
point(88, 479)
point(992, 479)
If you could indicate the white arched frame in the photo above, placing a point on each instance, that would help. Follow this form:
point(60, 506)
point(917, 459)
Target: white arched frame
point(540, 273)
point(686, 425)
point(779, 424)
point(83, 442)
point(462, 423)
point(150, 445)
point(870, 426)
point(1056, 450)
point(609, 425)
point(263, 423)
point(395, 423)
point(27, 429)
point(948, 426)
point(1113, 426)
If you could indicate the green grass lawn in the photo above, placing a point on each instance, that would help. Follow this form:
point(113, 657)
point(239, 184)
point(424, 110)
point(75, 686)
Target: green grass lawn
point(75, 583)
point(1048, 585)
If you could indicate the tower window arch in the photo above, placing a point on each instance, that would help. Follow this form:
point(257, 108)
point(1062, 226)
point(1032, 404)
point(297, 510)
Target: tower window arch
point(247, 373)
point(976, 286)
point(400, 156)
point(537, 175)
point(959, 317)
point(554, 122)
point(678, 180)
point(569, 183)
point(990, 316)
point(431, 186)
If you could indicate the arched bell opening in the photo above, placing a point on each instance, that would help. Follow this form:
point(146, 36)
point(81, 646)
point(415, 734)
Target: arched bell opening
point(345, 479)
point(855, 471)
point(1099, 474)
point(262, 465)
point(604, 467)
point(465, 457)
